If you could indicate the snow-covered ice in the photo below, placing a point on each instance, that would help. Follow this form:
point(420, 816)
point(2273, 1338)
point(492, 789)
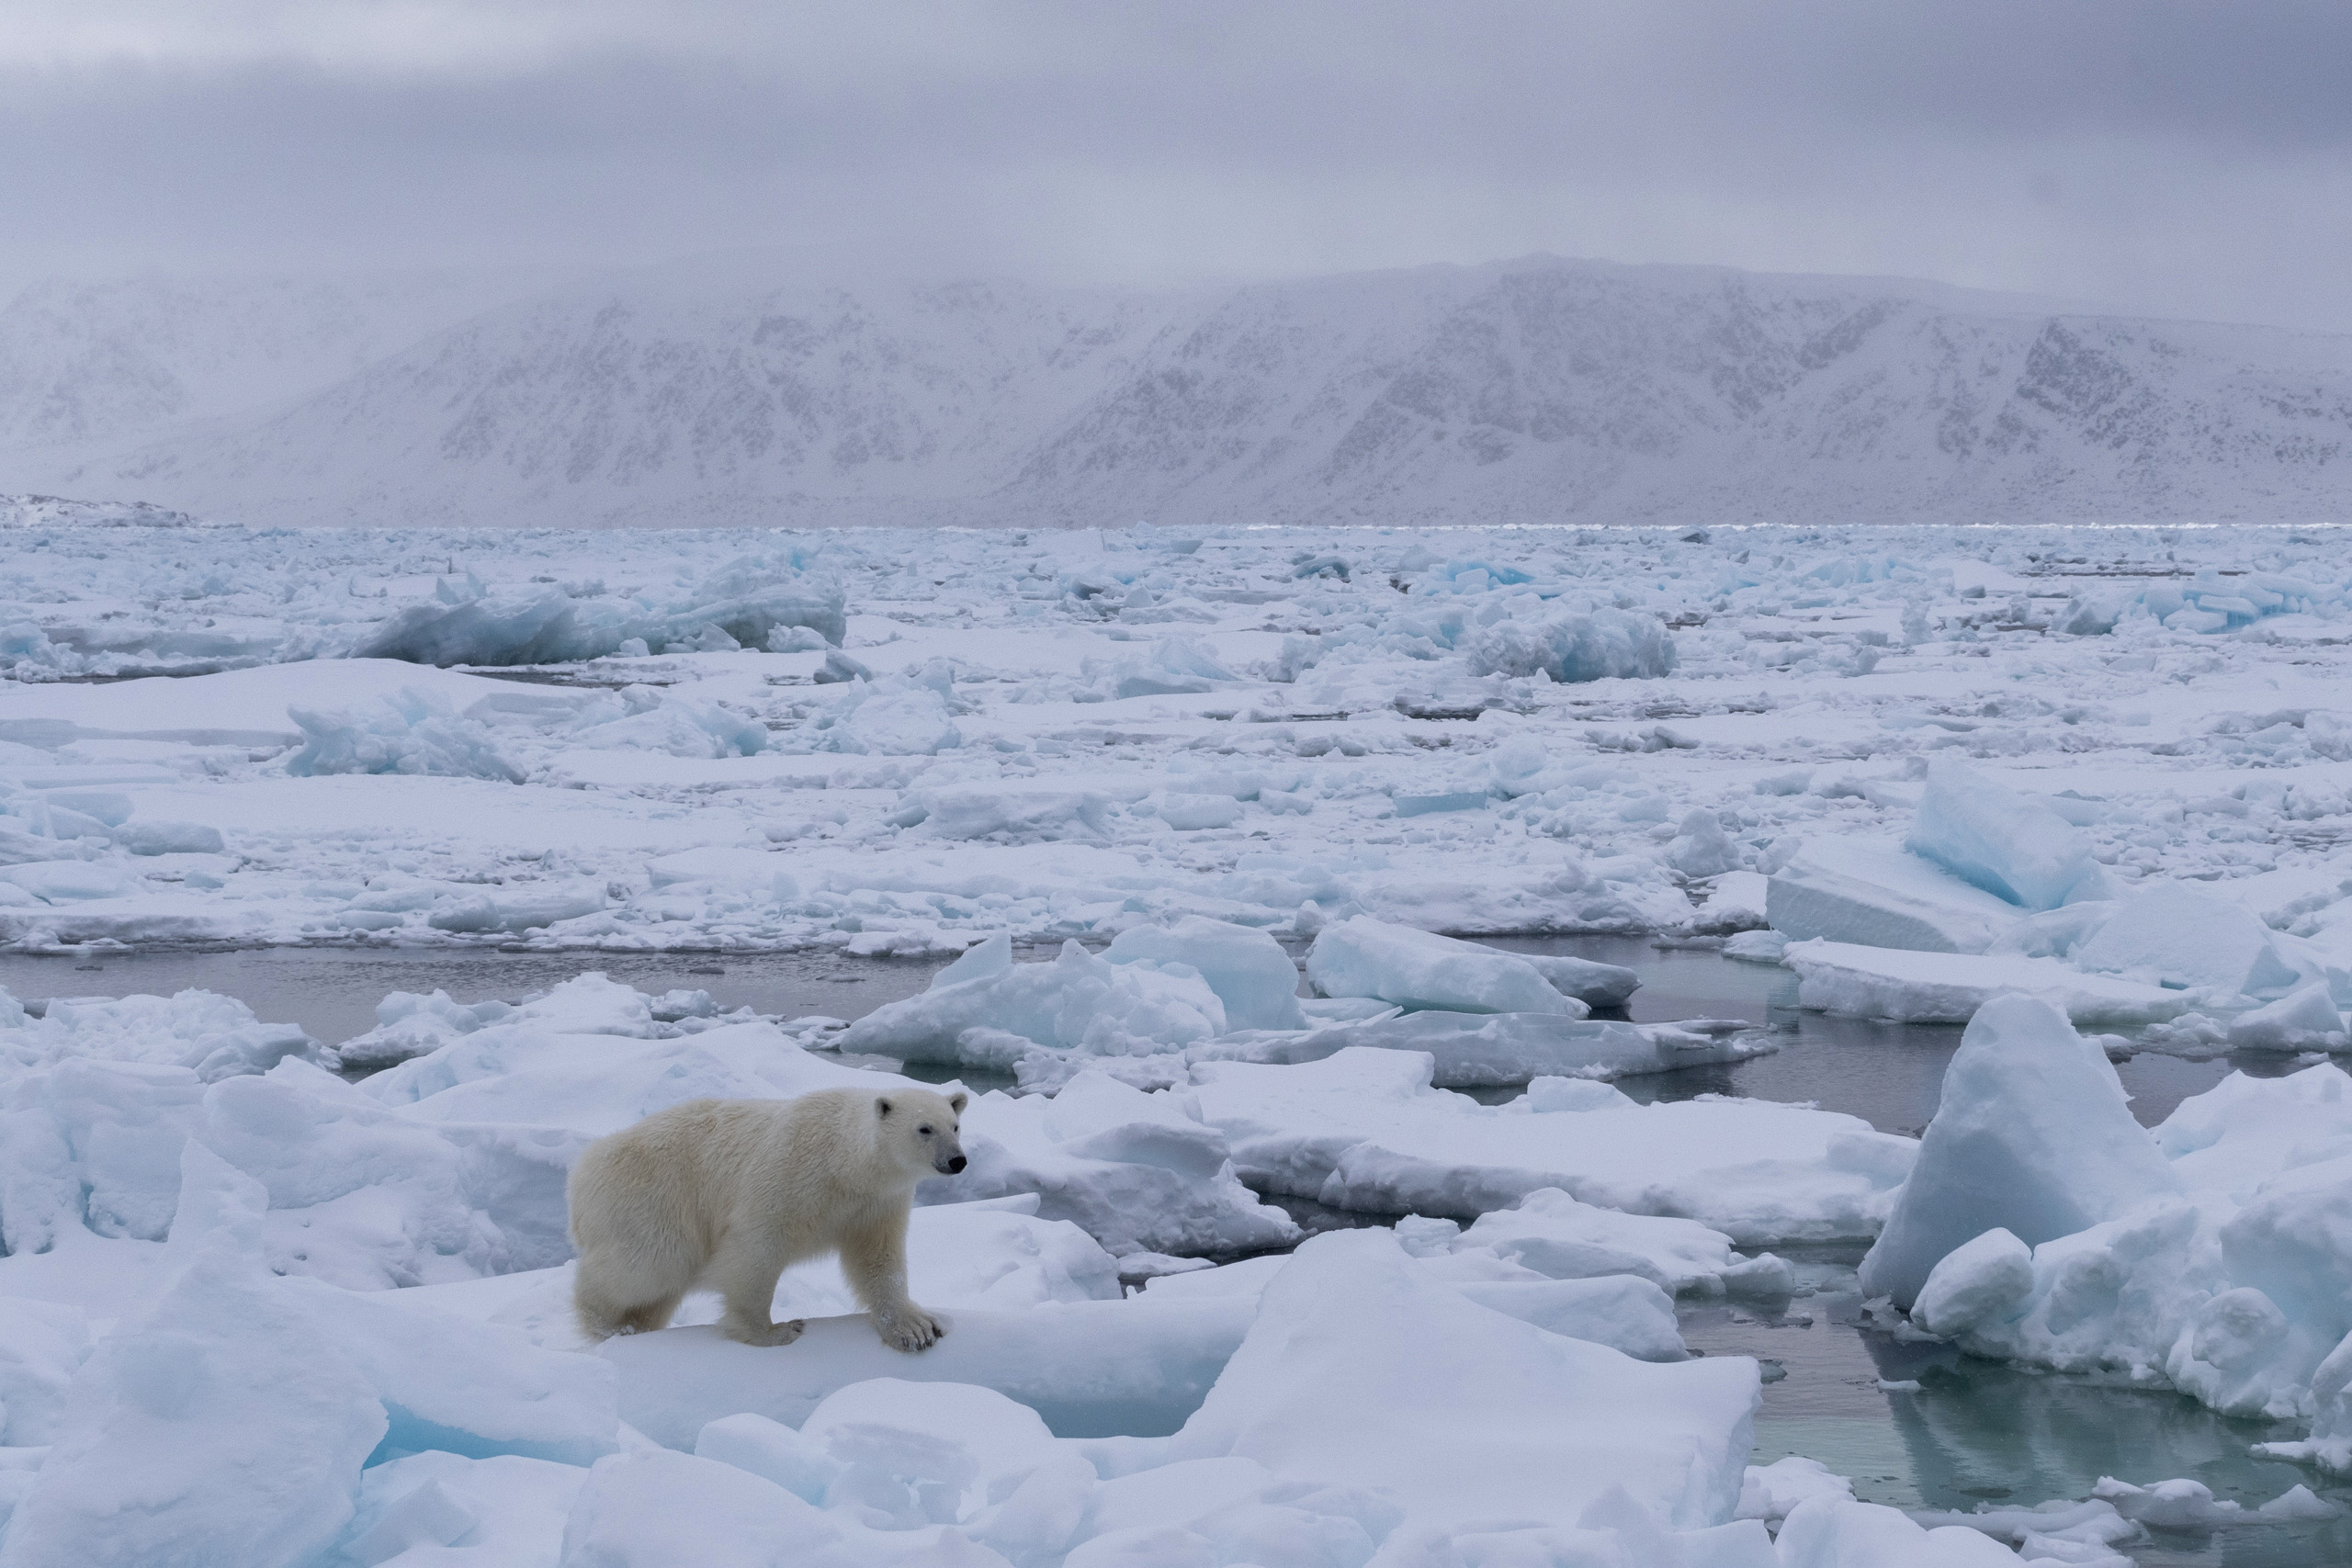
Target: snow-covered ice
point(1949, 987)
point(1853, 890)
point(2033, 1138)
point(1365, 957)
point(1992, 838)
point(1364, 1129)
point(1219, 829)
point(2044, 1225)
point(990, 758)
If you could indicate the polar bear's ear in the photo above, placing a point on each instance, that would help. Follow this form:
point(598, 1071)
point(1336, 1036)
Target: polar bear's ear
point(959, 1100)
point(882, 1103)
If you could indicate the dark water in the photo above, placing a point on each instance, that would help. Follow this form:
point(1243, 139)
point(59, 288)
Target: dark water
point(1889, 1074)
point(1977, 1433)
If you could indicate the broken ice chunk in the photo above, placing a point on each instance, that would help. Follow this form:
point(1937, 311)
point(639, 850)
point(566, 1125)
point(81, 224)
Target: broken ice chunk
point(1987, 834)
point(1365, 957)
point(2034, 1135)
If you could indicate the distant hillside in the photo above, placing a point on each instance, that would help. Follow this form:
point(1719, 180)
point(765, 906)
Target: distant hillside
point(1529, 392)
point(129, 359)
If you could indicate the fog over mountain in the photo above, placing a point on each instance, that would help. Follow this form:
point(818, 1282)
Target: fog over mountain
point(1537, 390)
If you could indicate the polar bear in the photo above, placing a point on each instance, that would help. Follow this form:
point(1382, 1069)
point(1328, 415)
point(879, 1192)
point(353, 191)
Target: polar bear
point(725, 1194)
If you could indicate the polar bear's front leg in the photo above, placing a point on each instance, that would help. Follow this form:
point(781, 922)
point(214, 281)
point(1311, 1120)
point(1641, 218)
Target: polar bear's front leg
point(875, 1259)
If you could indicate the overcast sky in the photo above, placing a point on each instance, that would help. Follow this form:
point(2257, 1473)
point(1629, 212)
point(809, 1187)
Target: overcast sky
point(2180, 159)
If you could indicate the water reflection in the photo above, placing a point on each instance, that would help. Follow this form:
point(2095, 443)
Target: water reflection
point(1889, 1074)
point(1979, 1433)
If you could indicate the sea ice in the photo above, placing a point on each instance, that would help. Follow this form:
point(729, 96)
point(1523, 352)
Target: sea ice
point(1989, 835)
point(2186, 938)
point(212, 1036)
point(1006, 815)
point(245, 1406)
point(1250, 974)
point(410, 731)
point(2243, 1130)
point(1877, 894)
point(1622, 1311)
point(2304, 1020)
point(744, 602)
point(1572, 648)
point(1416, 969)
point(1364, 1129)
point(1088, 1369)
point(1472, 1050)
point(1593, 984)
point(1139, 1172)
point(1833, 1532)
point(2033, 1135)
point(148, 837)
point(1770, 1492)
point(1973, 1282)
point(1359, 1366)
point(1949, 987)
point(1077, 1002)
point(1199, 749)
point(1560, 1239)
point(500, 1512)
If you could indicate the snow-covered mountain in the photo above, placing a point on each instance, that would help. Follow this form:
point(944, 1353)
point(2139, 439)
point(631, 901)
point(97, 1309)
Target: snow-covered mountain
point(1528, 391)
point(83, 364)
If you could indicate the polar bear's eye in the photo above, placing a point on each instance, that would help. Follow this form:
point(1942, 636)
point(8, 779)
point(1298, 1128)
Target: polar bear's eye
point(924, 1131)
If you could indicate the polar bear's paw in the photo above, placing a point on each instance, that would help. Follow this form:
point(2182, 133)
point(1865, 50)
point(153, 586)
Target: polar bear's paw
point(910, 1328)
point(773, 1334)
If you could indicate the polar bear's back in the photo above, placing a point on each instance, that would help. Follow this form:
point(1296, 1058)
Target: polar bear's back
point(685, 1171)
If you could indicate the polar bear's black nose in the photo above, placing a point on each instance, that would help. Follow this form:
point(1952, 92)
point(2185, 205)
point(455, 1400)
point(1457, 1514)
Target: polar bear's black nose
point(955, 1166)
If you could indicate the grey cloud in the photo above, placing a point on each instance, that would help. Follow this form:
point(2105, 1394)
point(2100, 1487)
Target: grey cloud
point(2173, 157)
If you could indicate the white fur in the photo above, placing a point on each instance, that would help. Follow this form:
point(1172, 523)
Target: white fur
point(725, 1194)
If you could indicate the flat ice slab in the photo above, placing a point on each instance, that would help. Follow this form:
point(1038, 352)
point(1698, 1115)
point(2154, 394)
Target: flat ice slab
point(1359, 1366)
point(1947, 987)
point(1091, 1368)
point(1364, 1129)
point(1876, 892)
point(1492, 1050)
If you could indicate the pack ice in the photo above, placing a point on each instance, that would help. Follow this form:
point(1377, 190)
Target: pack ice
point(2041, 1224)
point(1160, 999)
point(1213, 825)
point(242, 1287)
point(873, 726)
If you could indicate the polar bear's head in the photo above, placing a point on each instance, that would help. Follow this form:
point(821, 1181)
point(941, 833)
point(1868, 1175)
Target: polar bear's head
point(922, 1130)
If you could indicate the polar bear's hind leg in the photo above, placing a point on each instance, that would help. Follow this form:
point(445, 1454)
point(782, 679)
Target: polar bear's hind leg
point(611, 1299)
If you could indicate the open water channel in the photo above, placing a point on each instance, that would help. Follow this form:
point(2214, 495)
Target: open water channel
point(1973, 1433)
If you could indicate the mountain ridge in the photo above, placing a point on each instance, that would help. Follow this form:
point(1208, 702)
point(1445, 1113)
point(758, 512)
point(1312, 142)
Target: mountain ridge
point(1532, 391)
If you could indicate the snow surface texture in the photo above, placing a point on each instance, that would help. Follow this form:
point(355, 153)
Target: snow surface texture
point(1518, 392)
